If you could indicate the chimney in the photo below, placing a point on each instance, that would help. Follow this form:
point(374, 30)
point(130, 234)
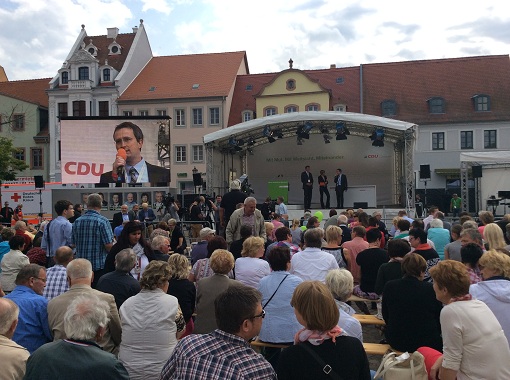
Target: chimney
point(112, 32)
point(332, 66)
point(135, 29)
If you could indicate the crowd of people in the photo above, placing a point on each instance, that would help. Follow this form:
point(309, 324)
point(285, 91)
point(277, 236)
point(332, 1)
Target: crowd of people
point(87, 304)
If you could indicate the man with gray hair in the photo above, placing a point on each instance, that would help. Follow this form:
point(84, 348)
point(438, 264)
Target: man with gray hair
point(312, 263)
point(78, 357)
point(79, 275)
point(249, 215)
point(120, 283)
point(161, 246)
point(93, 236)
point(471, 235)
point(12, 356)
point(32, 330)
point(346, 232)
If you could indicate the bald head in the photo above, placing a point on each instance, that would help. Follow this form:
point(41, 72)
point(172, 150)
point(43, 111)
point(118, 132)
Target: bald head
point(79, 271)
point(8, 317)
point(63, 255)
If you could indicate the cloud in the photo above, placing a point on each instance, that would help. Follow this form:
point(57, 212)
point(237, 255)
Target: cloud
point(157, 5)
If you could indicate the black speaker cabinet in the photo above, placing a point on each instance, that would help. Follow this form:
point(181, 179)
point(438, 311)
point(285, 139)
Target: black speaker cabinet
point(477, 171)
point(360, 205)
point(197, 179)
point(424, 171)
point(39, 182)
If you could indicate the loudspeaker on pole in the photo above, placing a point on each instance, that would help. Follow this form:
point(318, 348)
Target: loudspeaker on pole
point(424, 171)
point(39, 182)
point(477, 171)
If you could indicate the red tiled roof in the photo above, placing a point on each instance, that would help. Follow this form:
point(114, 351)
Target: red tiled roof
point(125, 40)
point(456, 80)
point(31, 91)
point(174, 76)
point(410, 84)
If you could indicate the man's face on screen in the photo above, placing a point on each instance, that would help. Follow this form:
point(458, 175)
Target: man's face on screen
point(125, 138)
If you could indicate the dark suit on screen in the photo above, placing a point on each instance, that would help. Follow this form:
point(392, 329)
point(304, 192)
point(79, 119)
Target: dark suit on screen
point(156, 174)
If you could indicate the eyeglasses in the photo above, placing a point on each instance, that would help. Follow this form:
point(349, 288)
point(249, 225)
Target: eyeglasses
point(261, 315)
point(42, 279)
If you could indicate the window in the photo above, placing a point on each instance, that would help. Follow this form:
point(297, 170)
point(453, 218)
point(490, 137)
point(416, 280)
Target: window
point(313, 107)
point(214, 116)
point(92, 51)
point(489, 139)
point(436, 105)
point(180, 117)
point(144, 113)
point(339, 80)
point(291, 85)
point(247, 116)
point(180, 153)
point(290, 109)
point(466, 140)
point(197, 116)
point(65, 77)
point(339, 107)
point(161, 112)
point(482, 103)
point(198, 153)
point(127, 113)
point(62, 109)
point(438, 141)
point(106, 75)
point(249, 87)
point(83, 73)
point(36, 160)
point(79, 108)
point(115, 49)
point(388, 108)
point(104, 108)
point(269, 111)
point(19, 154)
point(18, 122)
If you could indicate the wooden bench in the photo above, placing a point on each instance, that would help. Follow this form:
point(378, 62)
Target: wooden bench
point(260, 344)
point(354, 298)
point(369, 320)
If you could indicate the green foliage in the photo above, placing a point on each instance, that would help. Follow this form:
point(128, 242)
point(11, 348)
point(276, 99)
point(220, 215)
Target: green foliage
point(9, 166)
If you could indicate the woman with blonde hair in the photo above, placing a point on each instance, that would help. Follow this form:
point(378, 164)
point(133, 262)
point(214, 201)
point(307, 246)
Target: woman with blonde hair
point(493, 236)
point(333, 241)
point(181, 288)
point(250, 268)
point(152, 322)
point(296, 232)
point(494, 290)
point(320, 342)
point(474, 344)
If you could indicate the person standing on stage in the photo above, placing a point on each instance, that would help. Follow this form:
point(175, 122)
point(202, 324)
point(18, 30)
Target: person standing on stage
point(340, 187)
point(323, 189)
point(307, 181)
point(455, 205)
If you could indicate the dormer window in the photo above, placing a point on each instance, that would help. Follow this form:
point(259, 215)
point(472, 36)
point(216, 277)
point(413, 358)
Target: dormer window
point(106, 75)
point(482, 103)
point(388, 108)
point(91, 48)
point(114, 48)
point(436, 105)
point(64, 77)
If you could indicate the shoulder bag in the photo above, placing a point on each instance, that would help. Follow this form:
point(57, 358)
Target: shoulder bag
point(404, 367)
point(326, 368)
point(270, 298)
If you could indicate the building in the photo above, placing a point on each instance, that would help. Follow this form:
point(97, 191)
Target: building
point(24, 119)
point(196, 91)
point(97, 70)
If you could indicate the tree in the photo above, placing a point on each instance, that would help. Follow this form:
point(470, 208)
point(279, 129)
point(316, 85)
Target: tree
point(9, 165)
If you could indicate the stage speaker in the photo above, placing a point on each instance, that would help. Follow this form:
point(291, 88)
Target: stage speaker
point(39, 182)
point(197, 179)
point(424, 171)
point(477, 171)
point(360, 205)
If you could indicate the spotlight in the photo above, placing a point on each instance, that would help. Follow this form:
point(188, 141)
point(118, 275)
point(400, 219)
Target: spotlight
point(251, 141)
point(268, 133)
point(341, 131)
point(326, 139)
point(250, 151)
point(278, 133)
point(377, 137)
point(233, 143)
point(304, 132)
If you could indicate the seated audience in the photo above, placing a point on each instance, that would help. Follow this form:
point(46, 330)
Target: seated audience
point(352, 249)
point(202, 267)
point(160, 247)
point(296, 231)
point(346, 232)
point(316, 310)
point(12, 356)
point(120, 283)
point(470, 254)
point(199, 250)
point(280, 324)
point(439, 235)
point(397, 249)
point(56, 276)
point(334, 240)
point(152, 322)
point(410, 308)
point(78, 357)
point(178, 243)
point(418, 241)
point(12, 262)
point(210, 287)
point(493, 236)
point(37, 255)
point(283, 239)
point(494, 290)
point(403, 229)
point(236, 247)
point(226, 352)
point(452, 250)
point(340, 282)
point(250, 268)
point(474, 344)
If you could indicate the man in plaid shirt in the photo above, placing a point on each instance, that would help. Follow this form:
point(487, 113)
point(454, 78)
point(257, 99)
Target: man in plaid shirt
point(225, 353)
point(93, 236)
point(56, 276)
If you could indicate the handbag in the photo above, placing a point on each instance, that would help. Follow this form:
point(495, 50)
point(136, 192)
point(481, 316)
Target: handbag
point(404, 367)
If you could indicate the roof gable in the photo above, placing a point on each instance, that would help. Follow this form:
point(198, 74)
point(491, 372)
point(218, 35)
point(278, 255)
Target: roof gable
point(31, 91)
point(186, 76)
point(125, 40)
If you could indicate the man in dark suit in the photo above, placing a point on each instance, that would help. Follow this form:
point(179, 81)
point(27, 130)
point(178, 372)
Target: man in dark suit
point(120, 217)
point(6, 213)
point(307, 181)
point(340, 187)
point(129, 137)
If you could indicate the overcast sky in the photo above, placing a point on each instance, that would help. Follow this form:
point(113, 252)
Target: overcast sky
point(36, 35)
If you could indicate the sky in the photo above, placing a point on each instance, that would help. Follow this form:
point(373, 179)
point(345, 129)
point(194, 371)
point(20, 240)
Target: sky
point(36, 35)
